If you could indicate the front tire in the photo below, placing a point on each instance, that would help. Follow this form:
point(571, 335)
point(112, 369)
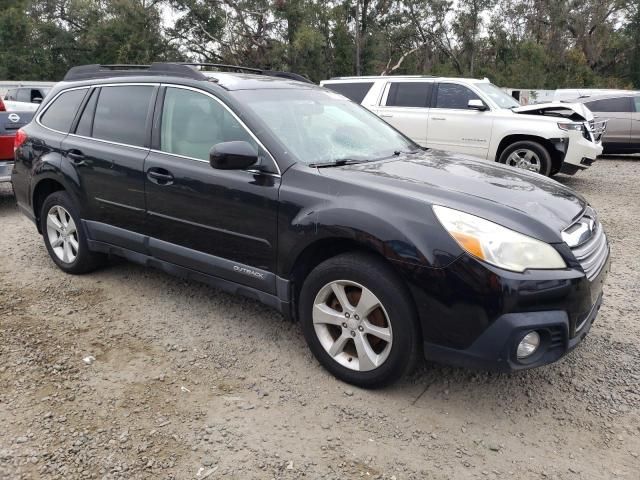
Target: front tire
point(64, 236)
point(359, 320)
point(527, 155)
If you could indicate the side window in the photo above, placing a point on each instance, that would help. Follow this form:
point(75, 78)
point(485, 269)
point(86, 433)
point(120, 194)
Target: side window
point(621, 104)
point(11, 95)
point(24, 95)
point(353, 91)
point(192, 123)
point(34, 95)
point(85, 124)
point(121, 114)
point(452, 95)
point(60, 114)
point(409, 94)
point(637, 103)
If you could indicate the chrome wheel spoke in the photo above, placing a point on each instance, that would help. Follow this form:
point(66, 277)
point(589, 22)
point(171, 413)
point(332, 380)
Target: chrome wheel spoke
point(74, 244)
point(54, 223)
point(323, 314)
point(339, 344)
point(380, 332)
point(341, 295)
point(57, 242)
point(368, 303)
point(367, 358)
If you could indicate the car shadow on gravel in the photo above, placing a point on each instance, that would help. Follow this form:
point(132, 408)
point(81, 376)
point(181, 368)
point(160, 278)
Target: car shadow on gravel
point(7, 198)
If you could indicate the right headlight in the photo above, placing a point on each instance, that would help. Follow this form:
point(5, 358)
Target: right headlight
point(496, 244)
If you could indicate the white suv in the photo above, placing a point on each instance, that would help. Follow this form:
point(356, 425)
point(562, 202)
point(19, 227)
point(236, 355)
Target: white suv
point(477, 118)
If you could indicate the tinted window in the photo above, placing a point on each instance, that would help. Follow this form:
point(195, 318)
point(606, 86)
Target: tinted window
point(451, 95)
point(121, 114)
point(11, 95)
point(621, 104)
point(60, 114)
point(353, 91)
point(409, 94)
point(85, 123)
point(192, 123)
point(637, 103)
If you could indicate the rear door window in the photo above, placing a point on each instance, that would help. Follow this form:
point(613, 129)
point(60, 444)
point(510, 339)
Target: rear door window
point(11, 95)
point(409, 94)
point(621, 104)
point(121, 114)
point(452, 95)
point(353, 91)
point(60, 114)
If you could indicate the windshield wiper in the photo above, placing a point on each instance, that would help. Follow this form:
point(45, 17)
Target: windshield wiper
point(336, 163)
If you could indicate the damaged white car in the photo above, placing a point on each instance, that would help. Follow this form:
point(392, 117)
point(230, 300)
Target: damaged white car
point(477, 118)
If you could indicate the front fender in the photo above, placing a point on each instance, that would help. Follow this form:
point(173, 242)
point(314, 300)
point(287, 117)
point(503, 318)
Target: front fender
point(397, 228)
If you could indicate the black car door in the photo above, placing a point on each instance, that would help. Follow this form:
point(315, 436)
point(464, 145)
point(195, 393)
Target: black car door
point(106, 150)
point(218, 222)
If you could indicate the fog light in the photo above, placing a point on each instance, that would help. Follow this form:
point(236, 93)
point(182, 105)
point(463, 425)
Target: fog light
point(528, 345)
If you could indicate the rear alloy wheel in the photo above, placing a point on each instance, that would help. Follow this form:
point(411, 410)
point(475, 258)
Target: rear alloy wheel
point(63, 234)
point(527, 155)
point(64, 237)
point(359, 320)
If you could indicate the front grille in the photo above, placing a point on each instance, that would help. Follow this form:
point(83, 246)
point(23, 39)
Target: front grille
point(591, 252)
point(594, 130)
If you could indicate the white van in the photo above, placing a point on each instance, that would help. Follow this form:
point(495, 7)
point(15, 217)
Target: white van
point(477, 118)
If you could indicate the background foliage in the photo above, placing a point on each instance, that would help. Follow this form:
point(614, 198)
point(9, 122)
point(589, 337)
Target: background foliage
point(518, 43)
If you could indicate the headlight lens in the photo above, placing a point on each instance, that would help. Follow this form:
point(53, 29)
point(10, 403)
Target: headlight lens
point(570, 126)
point(496, 244)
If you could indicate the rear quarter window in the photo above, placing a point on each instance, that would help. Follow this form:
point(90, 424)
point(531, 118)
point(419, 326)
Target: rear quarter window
point(60, 114)
point(353, 91)
point(621, 104)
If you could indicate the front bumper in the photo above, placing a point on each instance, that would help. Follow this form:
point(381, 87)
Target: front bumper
point(474, 315)
point(5, 171)
point(581, 152)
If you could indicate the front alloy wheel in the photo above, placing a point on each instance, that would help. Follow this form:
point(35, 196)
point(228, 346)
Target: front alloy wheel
point(359, 319)
point(352, 325)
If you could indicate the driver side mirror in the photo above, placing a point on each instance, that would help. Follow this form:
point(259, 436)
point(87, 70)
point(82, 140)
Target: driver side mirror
point(477, 104)
point(236, 155)
point(36, 100)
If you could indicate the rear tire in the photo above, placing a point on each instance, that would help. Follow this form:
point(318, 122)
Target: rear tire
point(64, 236)
point(527, 155)
point(359, 320)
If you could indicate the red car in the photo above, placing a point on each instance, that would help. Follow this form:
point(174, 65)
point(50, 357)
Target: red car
point(10, 123)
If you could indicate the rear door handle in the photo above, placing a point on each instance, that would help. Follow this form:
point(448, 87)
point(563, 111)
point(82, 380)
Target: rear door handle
point(386, 115)
point(160, 176)
point(438, 118)
point(76, 156)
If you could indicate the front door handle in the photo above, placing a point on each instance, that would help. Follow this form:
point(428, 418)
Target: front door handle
point(386, 115)
point(76, 156)
point(438, 118)
point(160, 176)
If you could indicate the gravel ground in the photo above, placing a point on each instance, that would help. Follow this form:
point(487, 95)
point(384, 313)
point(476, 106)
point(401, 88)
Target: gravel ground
point(189, 382)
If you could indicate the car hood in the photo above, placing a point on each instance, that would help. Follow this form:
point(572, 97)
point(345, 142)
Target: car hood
point(523, 201)
point(573, 111)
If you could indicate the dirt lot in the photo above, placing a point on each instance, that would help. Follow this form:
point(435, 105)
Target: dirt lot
point(189, 382)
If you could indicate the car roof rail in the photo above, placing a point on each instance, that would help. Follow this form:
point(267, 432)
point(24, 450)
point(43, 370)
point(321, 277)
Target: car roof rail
point(258, 71)
point(181, 69)
point(87, 72)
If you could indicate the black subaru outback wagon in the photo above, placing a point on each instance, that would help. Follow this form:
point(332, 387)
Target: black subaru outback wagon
point(293, 195)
